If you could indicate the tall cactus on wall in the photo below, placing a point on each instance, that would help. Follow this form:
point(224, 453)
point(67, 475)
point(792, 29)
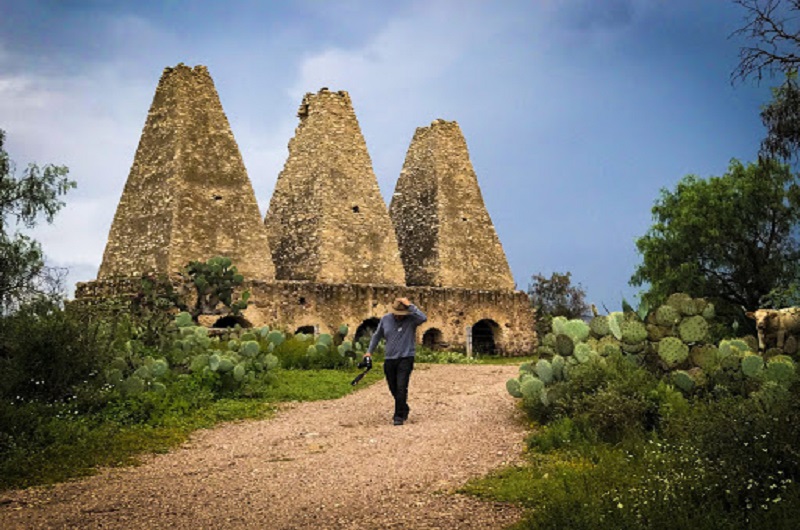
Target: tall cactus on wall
point(214, 283)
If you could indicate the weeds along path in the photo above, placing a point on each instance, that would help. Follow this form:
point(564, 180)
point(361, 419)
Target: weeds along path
point(337, 464)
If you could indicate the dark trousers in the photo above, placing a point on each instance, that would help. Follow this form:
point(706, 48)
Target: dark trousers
point(398, 373)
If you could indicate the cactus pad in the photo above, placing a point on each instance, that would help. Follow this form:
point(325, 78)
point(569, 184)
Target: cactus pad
point(683, 380)
point(250, 348)
point(693, 329)
point(582, 352)
point(599, 326)
point(615, 321)
point(564, 345)
point(545, 371)
point(276, 338)
point(558, 367)
point(557, 325)
point(183, 320)
point(577, 329)
point(513, 387)
point(672, 351)
point(633, 332)
point(752, 365)
point(667, 316)
point(531, 388)
point(780, 369)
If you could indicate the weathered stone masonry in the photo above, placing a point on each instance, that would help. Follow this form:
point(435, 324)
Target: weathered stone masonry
point(293, 305)
point(327, 221)
point(333, 244)
point(188, 195)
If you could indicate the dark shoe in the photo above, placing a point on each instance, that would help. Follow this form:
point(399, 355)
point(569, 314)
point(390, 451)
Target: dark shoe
point(398, 421)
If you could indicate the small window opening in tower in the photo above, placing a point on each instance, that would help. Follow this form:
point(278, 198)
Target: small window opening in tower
point(463, 218)
point(301, 300)
point(356, 209)
point(217, 197)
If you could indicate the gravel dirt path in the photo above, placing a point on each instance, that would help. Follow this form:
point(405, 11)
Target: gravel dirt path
point(336, 464)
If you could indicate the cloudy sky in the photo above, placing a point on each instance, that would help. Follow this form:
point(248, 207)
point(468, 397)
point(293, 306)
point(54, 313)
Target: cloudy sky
point(576, 112)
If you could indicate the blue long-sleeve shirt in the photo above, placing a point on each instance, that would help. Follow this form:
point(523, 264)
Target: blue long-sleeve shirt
point(400, 334)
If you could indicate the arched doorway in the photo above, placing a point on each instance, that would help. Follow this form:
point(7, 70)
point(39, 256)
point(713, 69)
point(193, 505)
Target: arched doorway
point(230, 321)
point(484, 337)
point(432, 339)
point(365, 330)
point(306, 330)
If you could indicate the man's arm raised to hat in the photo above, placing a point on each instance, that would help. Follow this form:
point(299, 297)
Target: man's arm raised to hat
point(414, 311)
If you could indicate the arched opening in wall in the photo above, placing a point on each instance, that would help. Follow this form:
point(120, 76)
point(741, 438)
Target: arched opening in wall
point(230, 321)
point(485, 334)
point(308, 330)
point(366, 329)
point(432, 339)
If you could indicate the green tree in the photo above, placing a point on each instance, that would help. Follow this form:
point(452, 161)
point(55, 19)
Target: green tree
point(556, 296)
point(23, 201)
point(732, 238)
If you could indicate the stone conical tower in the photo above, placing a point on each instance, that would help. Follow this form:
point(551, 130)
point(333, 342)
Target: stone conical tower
point(187, 196)
point(445, 234)
point(327, 221)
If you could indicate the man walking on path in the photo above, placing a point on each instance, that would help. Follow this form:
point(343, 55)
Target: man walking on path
point(399, 328)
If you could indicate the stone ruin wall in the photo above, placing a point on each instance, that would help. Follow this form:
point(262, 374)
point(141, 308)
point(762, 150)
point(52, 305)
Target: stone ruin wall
point(327, 221)
point(187, 196)
point(336, 255)
point(291, 305)
point(446, 236)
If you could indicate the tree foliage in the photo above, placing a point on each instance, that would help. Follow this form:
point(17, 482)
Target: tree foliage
point(556, 296)
point(772, 32)
point(23, 201)
point(732, 238)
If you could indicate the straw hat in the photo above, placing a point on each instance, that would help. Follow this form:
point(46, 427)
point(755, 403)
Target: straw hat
point(399, 308)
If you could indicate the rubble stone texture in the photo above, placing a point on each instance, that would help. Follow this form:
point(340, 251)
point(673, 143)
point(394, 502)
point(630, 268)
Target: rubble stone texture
point(445, 234)
point(327, 221)
point(187, 196)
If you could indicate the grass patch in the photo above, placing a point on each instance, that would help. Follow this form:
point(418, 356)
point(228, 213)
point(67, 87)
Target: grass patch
point(52, 444)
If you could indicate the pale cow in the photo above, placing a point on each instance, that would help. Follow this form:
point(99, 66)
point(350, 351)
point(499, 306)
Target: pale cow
point(775, 323)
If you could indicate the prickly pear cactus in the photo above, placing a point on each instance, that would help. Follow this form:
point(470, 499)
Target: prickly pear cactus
point(729, 347)
point(683, 380)
point(677, 300)
point(557, 325)
point(576, 329)
point(672, 351)
point(531, 388)
point(276, 338)
point(633, 332)
point(608, 345)
point(513, 387)
point(557, 364)
point(705, 356)
point(599, 326)
point(693, 329)
point(183, 320)
point(667, 316)
point(250, 348)
point(544, 371)
point(564, 345)
point(752, 365)
point(780, 369)
point(615, 321)
point(582, 352)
